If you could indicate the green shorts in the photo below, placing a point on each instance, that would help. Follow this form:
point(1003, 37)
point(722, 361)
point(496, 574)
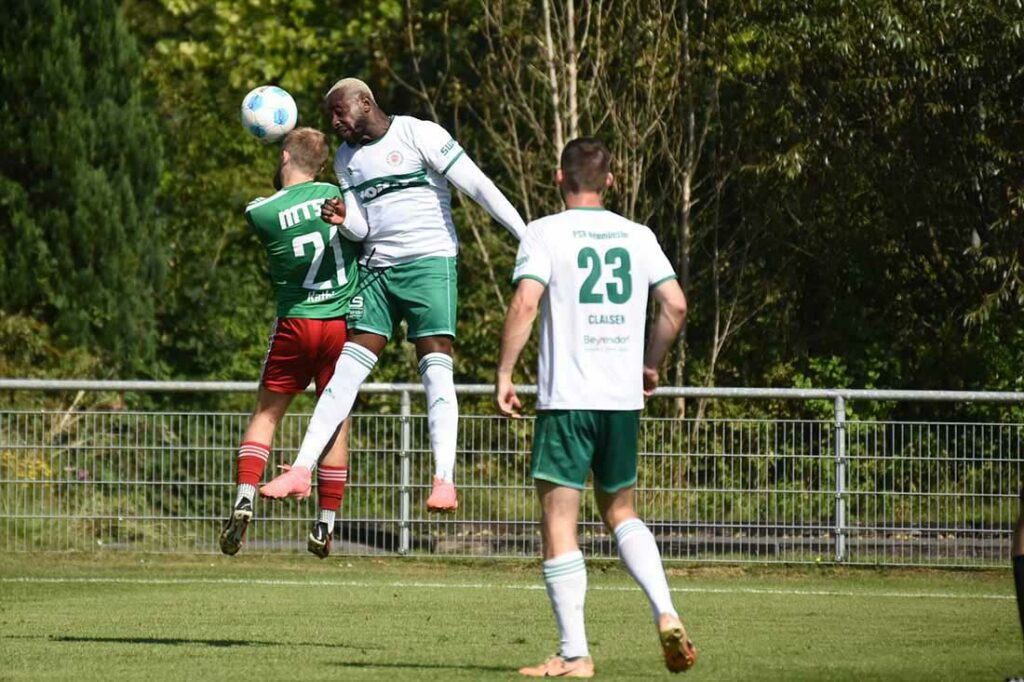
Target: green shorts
point(567, 444)
point(423, 292)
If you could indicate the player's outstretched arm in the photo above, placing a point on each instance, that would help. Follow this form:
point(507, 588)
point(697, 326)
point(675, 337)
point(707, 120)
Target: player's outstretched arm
point(667, 323)
point(522, 311)
point(471, 181)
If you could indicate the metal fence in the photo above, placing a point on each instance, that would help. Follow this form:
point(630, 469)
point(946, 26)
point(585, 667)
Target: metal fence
point(711, 489)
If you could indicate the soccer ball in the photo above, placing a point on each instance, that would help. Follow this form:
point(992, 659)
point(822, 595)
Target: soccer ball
point(269, 113)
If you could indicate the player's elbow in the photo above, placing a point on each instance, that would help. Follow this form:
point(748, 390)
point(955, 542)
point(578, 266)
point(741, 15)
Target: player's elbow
point(673, 305)
point(677, 308)
point(523, 306)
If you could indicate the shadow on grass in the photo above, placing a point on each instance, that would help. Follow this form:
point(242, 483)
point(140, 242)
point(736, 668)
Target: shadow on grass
point(421, 666)
point(178, 641)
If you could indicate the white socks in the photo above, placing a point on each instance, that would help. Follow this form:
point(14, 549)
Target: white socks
point(327, 516)
point(639, 552)
point(566, 579)
point(437, 371)
point(335, 403)
point(246, 490)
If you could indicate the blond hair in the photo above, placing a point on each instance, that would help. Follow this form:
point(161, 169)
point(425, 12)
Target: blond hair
point(349, 87)
point(307, 148)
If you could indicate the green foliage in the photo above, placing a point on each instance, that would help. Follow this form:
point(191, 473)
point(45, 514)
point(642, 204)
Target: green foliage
point(80, 154)
point(854, 208)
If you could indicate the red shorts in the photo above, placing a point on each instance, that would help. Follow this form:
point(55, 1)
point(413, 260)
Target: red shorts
point(302, 350)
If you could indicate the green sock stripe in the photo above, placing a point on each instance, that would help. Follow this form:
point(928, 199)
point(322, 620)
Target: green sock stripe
point(577, 566)
point(628, 528)
point(361, 356)
point(427, 363)
point(361, 361)
point(356, 349)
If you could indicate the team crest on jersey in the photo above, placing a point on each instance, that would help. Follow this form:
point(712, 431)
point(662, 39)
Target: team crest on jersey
point(394, 158)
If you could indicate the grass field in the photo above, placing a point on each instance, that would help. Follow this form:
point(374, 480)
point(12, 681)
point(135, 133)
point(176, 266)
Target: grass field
point(258, 618)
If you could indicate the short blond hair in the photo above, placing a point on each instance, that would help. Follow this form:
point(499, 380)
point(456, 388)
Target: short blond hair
point(307, 148)
point(349, 87)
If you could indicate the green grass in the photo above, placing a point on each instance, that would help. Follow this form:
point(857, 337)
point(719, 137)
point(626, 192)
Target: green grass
point(209, 617)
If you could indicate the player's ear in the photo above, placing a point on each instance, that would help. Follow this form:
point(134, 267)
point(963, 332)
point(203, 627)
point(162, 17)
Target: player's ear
point(559, 177)
point(609, 180)
point(286, 157)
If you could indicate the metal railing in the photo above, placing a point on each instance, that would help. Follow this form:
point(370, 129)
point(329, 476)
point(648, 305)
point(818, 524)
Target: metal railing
point(712, 489)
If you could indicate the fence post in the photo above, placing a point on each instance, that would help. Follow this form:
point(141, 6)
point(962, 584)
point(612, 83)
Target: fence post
point(404, 502)
point(840, 450)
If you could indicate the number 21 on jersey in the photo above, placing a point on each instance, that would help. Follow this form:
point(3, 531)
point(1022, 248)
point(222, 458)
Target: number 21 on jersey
point(315, 240)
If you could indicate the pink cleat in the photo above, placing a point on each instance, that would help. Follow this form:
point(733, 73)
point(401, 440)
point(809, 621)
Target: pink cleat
point(556, 666)
point(442, 497)
point(294, 482)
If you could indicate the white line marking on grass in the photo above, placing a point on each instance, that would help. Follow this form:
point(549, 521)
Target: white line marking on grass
point(488, 586)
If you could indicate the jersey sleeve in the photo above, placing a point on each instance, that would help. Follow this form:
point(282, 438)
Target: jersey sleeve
point(659, 268)
point(250, 219)
point(438, 148)
point(533, 260)
point(356, 227)
point(341, 171)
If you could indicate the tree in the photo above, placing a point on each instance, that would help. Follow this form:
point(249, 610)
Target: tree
point(79, 171)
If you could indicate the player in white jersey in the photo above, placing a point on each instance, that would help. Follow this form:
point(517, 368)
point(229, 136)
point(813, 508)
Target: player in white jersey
point(394, 172)
point(588, 271)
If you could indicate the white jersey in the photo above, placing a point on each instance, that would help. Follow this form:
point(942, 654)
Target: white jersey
point(400, 181)
point(598, 268)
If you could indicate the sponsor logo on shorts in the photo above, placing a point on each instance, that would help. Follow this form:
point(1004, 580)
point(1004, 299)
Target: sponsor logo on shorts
point(355, 308)
point(439, 401)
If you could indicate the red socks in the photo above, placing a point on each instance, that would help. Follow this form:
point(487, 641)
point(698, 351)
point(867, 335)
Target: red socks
point(252, 460)
point(331, 486)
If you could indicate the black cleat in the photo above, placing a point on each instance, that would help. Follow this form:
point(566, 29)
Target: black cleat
point(319, 541)
point(234, 528)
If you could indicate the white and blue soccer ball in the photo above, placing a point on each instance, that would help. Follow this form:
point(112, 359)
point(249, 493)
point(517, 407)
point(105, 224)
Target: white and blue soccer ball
point(269, 113)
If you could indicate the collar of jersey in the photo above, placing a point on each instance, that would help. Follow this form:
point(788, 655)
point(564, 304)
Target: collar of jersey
point(391, 118)
point(587, 208)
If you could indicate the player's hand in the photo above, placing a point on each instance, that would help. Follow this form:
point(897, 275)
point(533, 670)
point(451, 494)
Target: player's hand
point(333, 211)
point(505, 394)
point(650, 381)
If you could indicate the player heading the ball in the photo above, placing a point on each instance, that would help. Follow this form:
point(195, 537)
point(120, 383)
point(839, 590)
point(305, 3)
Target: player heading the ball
point(398, 169)
point(314, 275)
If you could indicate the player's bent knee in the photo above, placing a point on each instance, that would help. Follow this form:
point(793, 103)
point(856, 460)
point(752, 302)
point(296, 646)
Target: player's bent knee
point(374, 343)
point(433, 344)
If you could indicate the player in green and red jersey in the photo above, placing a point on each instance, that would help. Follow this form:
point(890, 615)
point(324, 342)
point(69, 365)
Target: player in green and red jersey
point(313, 273)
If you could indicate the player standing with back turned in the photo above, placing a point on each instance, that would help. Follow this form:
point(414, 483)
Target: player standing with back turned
point(398, 168)
point(588, 271)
